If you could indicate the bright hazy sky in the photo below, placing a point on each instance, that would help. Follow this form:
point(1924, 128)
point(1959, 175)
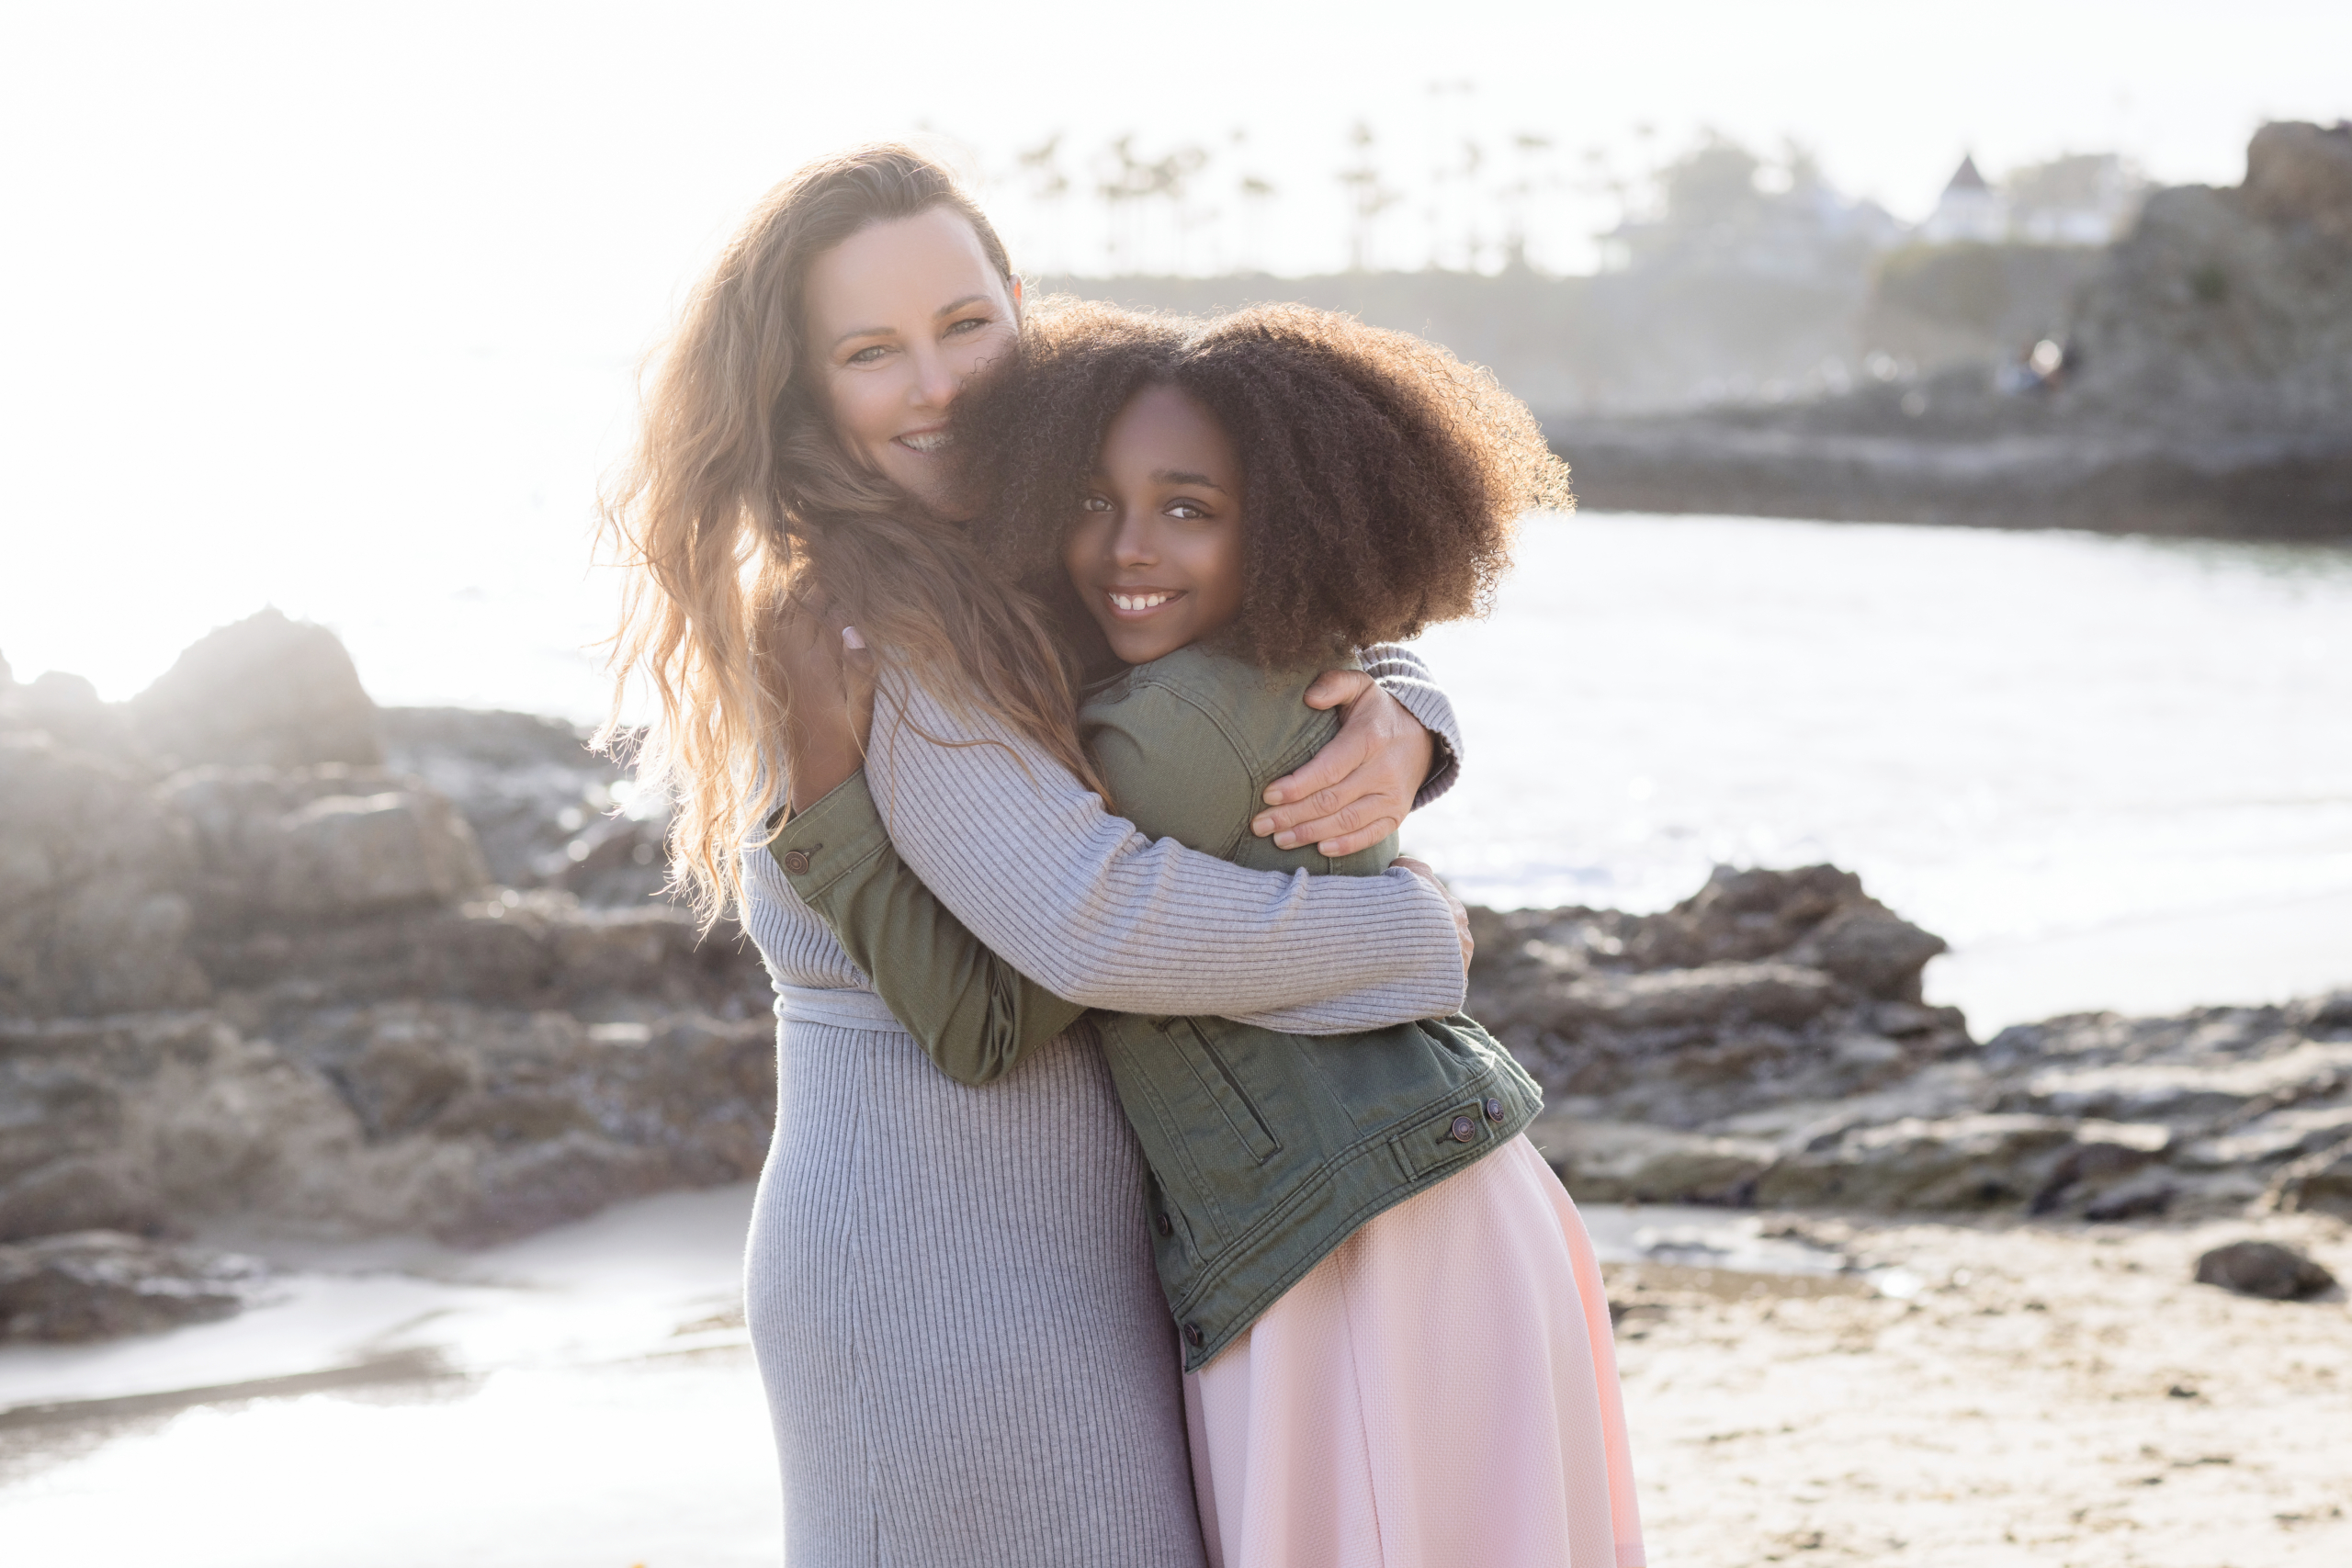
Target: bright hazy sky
point(331, 306)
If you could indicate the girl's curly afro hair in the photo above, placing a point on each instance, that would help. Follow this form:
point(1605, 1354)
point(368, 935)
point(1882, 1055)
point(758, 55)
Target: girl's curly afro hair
point(1382, 478)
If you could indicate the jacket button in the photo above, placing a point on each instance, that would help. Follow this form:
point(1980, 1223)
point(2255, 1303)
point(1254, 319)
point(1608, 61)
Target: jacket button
point(1463, 1129)
point(1167, 1226)
point(1494, 1110)
point(796, 862)
point(1193, 1336)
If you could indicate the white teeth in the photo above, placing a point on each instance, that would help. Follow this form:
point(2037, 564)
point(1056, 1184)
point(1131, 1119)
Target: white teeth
point(1140, 601)
point(928, 441)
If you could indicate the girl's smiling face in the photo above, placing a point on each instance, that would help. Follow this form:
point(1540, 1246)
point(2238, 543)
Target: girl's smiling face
point(1155, 552)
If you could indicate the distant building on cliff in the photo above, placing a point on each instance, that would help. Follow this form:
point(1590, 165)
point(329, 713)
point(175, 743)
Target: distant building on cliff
point(1969, 210)
point(2080, 199)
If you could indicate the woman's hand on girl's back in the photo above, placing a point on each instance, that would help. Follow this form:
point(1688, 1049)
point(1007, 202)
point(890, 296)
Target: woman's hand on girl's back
point(1356, 791)
point(831, 684)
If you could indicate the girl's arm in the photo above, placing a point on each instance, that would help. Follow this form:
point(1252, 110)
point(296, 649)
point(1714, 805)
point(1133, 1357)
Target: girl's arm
point(975, 1014)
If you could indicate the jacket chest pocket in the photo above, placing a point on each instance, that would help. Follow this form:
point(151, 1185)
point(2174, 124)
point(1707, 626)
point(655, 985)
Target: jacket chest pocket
point(1216, 1082)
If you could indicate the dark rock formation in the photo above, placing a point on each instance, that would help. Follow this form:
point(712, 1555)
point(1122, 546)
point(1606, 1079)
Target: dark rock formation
point(1763, 1042)
point(268, 691)
point(246, 967)
point(542, 805)
point(97, 1284)
point(1766, 986)
point(356, 996)
point(2263, 1268)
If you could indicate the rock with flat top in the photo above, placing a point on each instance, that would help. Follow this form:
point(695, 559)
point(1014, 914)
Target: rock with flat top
point(1960, 1163)
point(1605, 1162)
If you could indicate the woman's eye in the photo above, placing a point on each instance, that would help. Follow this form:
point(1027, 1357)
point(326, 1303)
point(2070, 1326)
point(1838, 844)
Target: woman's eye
point(868, 354)
point(967, 324)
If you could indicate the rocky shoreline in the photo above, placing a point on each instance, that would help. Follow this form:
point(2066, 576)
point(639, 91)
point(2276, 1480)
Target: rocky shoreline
point(1763, 1043)
point(2201, 384)
point(2281, 487)
point(270, 953)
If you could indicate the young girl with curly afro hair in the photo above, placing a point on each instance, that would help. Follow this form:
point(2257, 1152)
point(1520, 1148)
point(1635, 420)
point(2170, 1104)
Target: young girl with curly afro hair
point(1397, 1345)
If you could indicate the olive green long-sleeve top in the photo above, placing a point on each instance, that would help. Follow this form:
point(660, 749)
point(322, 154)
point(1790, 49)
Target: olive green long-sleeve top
point(1267, 1148)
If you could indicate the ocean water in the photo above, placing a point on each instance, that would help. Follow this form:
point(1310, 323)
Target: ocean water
point(2113, 773)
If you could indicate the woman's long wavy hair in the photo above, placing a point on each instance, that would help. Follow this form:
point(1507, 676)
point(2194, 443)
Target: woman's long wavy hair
point(740, 497)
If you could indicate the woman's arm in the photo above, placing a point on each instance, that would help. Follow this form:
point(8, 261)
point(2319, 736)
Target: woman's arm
point(1030, 861)
point(971, 1011)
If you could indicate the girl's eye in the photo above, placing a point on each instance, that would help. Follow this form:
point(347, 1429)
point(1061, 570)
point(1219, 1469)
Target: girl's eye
point(1191, 511)
point(868, 354)
point(1094, 504)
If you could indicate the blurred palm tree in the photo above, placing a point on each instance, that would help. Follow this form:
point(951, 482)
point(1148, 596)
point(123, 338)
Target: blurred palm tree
point(1370, 194)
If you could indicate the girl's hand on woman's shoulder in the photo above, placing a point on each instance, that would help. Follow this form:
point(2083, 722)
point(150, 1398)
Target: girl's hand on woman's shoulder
point(830, 685)
point(1356, 791)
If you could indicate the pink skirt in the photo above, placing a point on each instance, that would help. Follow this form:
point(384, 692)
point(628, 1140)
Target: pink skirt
point(1441, 1390)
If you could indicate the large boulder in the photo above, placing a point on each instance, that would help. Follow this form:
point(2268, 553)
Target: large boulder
point(93, 872)
point(334, 842)
point(1764, 987)
point(469, 1124)
point(266, 690)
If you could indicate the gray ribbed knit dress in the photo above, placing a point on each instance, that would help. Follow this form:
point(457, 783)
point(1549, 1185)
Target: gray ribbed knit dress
point(950, 1289)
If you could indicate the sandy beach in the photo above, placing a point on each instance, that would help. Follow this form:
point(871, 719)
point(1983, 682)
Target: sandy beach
point(2045, 1395)
point(1912, 1395)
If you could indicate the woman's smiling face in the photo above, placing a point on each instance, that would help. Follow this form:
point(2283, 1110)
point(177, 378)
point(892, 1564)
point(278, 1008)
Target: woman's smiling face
point(896, 318)
point(1155, 552)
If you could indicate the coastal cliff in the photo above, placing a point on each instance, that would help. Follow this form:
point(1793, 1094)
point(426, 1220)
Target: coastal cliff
point(2203, 386)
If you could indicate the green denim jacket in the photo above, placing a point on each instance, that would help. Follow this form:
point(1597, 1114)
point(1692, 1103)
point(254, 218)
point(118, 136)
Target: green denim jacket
point(1267, 1150)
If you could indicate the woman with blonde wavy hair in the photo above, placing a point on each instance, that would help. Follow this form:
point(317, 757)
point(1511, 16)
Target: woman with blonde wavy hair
point(950, 1288)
